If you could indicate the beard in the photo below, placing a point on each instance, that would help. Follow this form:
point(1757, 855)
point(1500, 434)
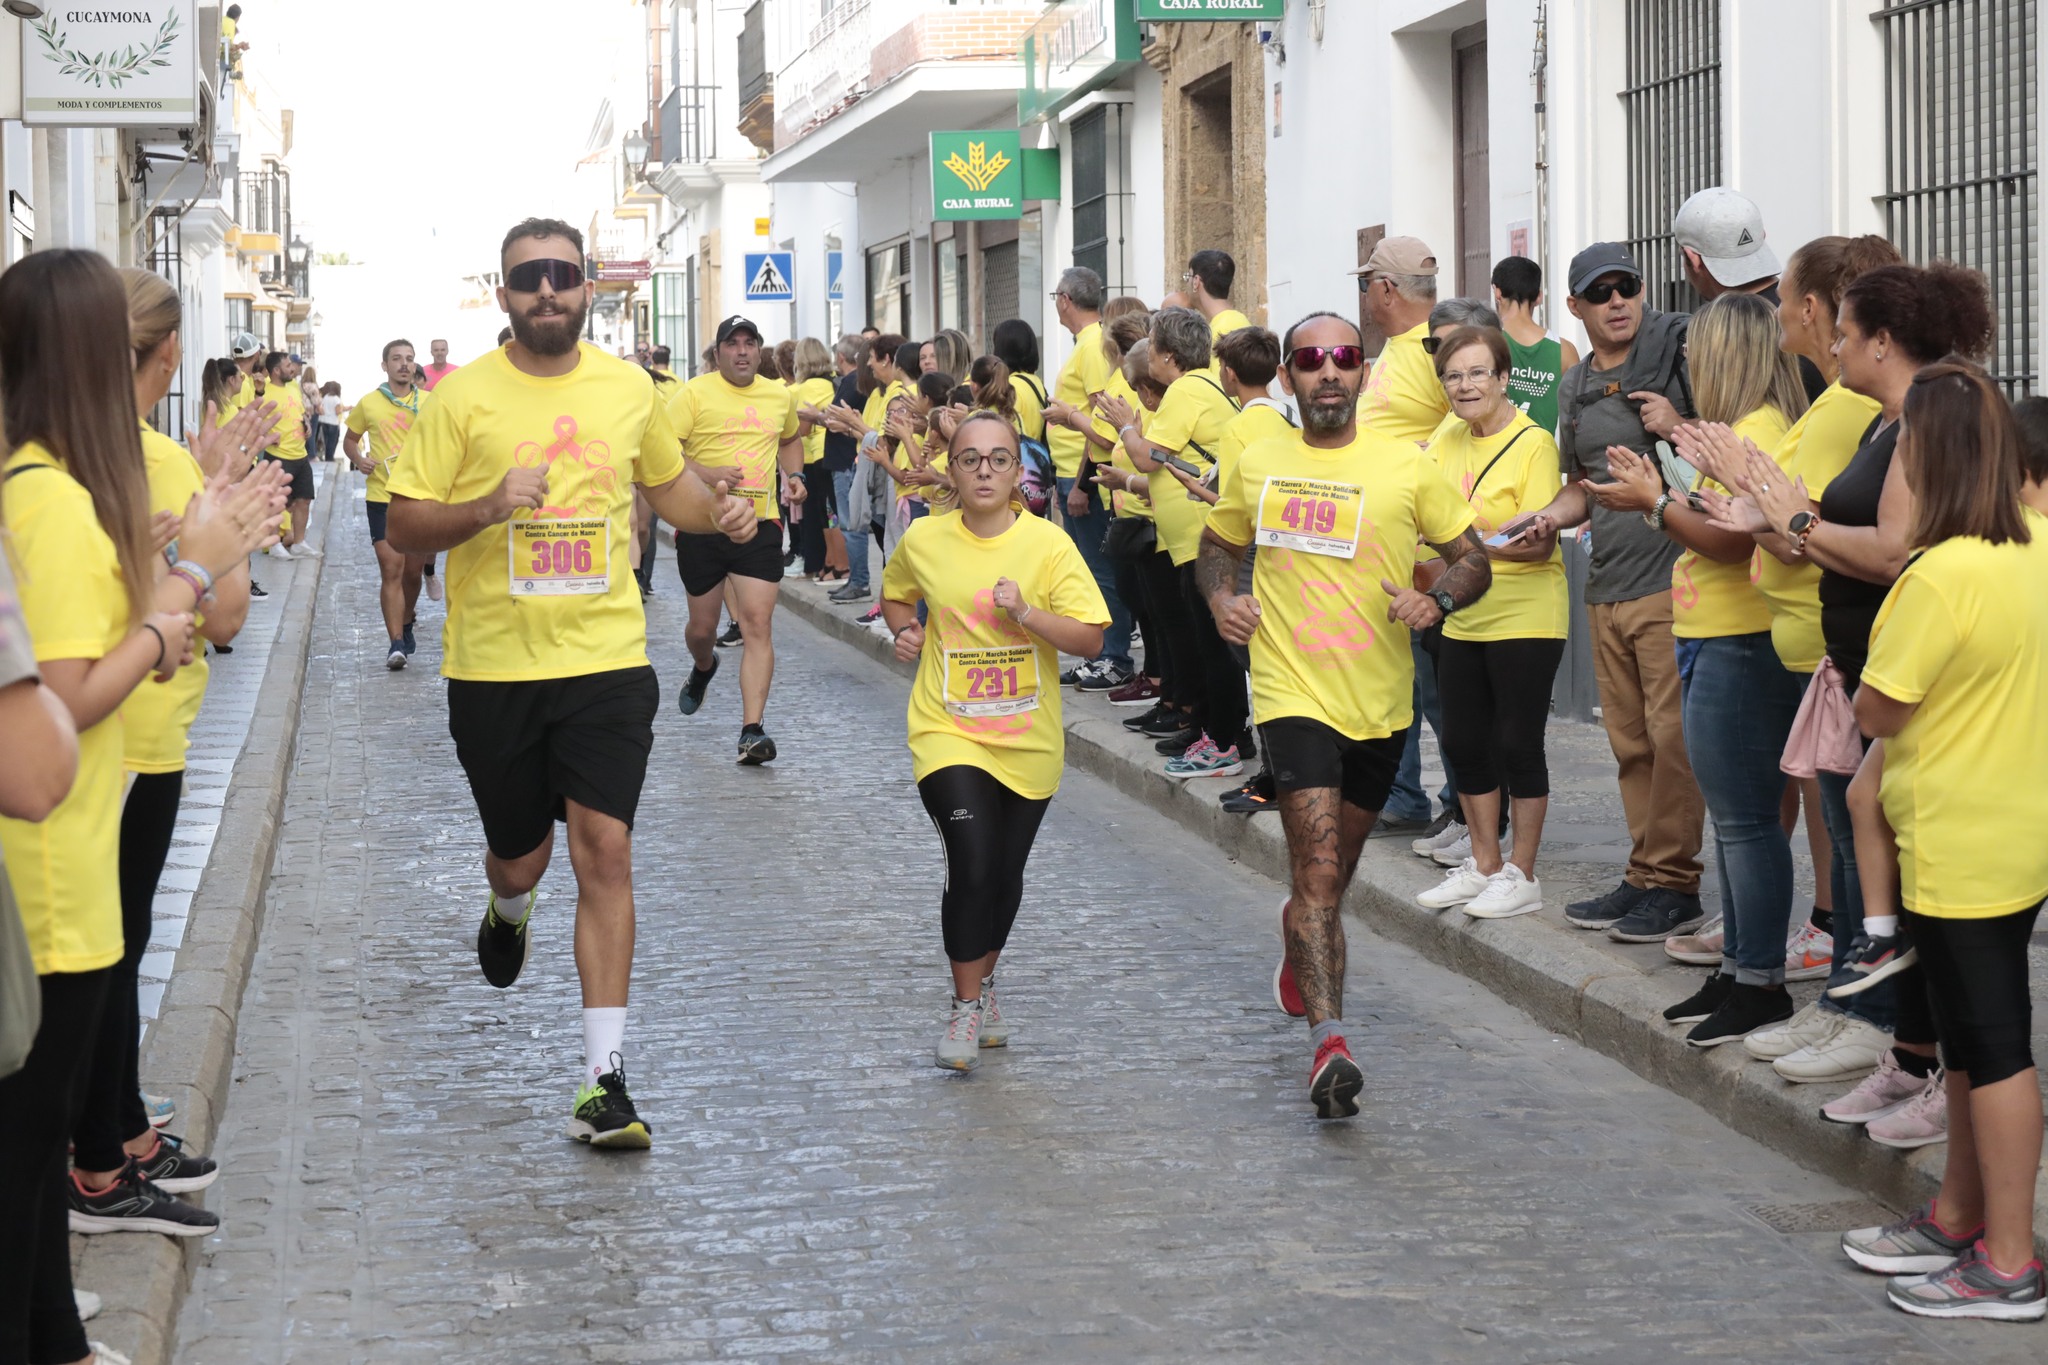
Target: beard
point(552, 335)
point(1325, 420)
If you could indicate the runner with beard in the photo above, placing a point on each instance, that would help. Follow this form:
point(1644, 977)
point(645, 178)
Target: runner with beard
point(522, 468)
point(385, 415)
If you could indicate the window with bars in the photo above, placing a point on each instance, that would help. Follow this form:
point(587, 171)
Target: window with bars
point(1102, 195)
point(1673, 102)
point(1961, 129)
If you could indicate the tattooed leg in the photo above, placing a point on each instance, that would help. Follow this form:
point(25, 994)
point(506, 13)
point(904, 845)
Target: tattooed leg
point(1313, 821)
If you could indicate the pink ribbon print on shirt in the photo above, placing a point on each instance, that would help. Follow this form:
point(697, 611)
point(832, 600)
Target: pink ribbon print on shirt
point(984, 618)
point(1334, 632)
point(581, 480)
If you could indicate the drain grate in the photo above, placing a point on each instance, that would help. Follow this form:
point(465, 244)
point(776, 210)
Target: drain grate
point(1837, 1216)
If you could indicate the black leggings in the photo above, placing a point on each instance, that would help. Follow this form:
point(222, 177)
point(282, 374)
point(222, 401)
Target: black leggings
point(1173, 632)
point(1496, 696)
point(810, 532)
point(1223, 708)
point(1977, 988)
point(38, 1317)
point(1130, 586)
point(111, 1109)
point(987, 830)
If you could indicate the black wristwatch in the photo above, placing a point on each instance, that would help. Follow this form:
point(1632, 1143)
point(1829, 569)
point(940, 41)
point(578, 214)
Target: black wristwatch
point(1445, 603)
point(1801, 522)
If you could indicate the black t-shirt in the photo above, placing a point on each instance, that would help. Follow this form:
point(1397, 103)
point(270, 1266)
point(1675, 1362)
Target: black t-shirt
point(1848, 606)
point(841, 450)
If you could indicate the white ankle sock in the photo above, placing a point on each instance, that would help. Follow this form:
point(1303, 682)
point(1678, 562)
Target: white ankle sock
point(1880, 926)
point(604, 1033)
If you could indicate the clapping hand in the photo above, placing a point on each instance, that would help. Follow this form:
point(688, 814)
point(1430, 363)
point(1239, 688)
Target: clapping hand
point(1737, 514)
point(1640, 481)
point(1116, 410)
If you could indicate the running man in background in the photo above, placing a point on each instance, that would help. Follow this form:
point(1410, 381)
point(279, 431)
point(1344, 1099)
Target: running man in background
point(385, 415)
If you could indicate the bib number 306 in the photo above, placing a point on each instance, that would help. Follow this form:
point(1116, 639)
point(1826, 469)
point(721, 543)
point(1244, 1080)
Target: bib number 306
point(549, 557)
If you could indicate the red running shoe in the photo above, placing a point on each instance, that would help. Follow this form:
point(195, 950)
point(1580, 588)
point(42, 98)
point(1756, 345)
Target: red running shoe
point(1336, 1080)
point(1286, 994)
point(1139, 691)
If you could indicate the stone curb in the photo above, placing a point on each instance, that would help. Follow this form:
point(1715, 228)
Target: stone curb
point(1551, 973)
point(190, 1053)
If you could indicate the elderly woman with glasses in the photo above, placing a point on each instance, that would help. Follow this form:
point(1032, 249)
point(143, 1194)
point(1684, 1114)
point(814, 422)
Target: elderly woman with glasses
point(1498, 656)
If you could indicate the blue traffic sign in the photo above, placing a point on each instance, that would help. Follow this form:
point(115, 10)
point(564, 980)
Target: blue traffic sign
point(771, 276)
point(835, 282)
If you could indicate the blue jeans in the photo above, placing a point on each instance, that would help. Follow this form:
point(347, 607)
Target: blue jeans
point(854, 526)
point(1739, 708)
point(1087, 532)
point(1407, 801)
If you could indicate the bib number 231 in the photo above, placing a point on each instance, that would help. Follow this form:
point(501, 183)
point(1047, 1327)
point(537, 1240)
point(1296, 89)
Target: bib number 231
point(555, 558)
point(1000, 681)
point(1309, 514)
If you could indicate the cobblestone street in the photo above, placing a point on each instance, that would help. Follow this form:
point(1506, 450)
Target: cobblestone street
point(1137, 1179)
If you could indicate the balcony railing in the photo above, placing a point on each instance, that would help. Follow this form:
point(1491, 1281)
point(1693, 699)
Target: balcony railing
point(263, 202)
point(686, 124)
point(754, 73)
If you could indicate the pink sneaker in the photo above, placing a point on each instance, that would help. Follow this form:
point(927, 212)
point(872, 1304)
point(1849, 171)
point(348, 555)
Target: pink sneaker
point(1882, 1093)
point(1810, 954)
point(1922, 1120)
point(1697, 950)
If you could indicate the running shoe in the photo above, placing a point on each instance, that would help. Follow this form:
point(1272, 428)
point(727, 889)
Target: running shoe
point(1914, 1245)
point(1136, 724)
point(395, 659)
point(174, 1170)
point(1849, 1052)
point(302, 550)
point(850, 592)
point(1099, 675)
point(1167, 723)
point(159, 1108)
point(1253, 797)
point(501, 945)
point(960, 1047)
point(1209, 762)
point(1604, 912)
point(1809, 1026)
point(995, 1030)
point(692, 695)
point(605, 1116)
point(88, 1303)
point(1747, 1009)
point(411, 643)
point(1389, 825)
point(1810, 955)
point(434, 589)
point(872, 615)
point(1973, 1288)
point(279, 552)
point(1703, 1002)
point(756, 747)
point(1459, 885)
point(1702, 949)
point(132, 1204)
point(103, 1354)
point(1874, 959)
point(1921, 1122)
point(1286, 994)
point(1883, 1092)
point(1070, 676)
point(256, 589)
point(1177, 744)
point(1139, 691)
point(731, 637)
point(1658, 916)
point(1509, 892)
point(1442, 833)
point(1335, 1080)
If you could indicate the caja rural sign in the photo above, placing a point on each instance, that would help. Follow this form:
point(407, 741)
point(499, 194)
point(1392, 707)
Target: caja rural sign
point(1154, 11)
point(977, 175)
point(87, 65)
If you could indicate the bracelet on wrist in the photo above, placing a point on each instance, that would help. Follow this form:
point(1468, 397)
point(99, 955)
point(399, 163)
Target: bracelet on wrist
point(196, 570)
point(163, 647)
point(192, 582)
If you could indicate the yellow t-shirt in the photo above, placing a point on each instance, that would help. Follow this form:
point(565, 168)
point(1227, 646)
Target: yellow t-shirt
point(722, 425)
point(1086, 372)
point(288, 442)
point(1710, 599)
point(1817, 449)
point(995, 668)
point(815, 392)
point(1526, 601)
point(385, 419)
point(1324, 648)
point(1964, 634)
point(1403, 398)
point(1257, 421)
point(241, 397)
point(1194, 412)
point(1122, 503)
point(65, 870)
point(1226, 322)
point(157, 717)
point(1030, 408)
point(597, 430)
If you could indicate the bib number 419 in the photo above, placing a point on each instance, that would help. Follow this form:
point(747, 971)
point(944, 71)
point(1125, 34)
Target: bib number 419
point(1311, 516)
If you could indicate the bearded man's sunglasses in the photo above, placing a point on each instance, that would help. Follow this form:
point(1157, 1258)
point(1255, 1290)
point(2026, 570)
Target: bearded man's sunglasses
point(526, 277)
point(1311, 358)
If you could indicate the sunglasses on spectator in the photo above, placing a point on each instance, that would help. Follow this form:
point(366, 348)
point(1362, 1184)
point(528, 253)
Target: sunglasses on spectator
point(1628, 286)
point(526, 277)
point(1431, 344)
point(998, 461)
point(1458, 378)
point(1313, 357)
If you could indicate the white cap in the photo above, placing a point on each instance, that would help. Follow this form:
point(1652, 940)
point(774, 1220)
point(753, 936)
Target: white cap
point(1727, 231)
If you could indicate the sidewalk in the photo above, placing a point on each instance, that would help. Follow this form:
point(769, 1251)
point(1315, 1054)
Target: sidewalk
point(1609, 996)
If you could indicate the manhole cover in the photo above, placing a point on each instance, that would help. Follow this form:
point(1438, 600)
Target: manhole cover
point(1838, 1216)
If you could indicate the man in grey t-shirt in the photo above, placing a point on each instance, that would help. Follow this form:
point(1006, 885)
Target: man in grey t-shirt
point(1630, 391)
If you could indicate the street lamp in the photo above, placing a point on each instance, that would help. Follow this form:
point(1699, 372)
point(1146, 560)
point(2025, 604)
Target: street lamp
point(636, 148)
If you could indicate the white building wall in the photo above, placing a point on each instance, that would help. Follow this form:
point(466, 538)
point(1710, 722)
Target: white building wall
point(805, 215)
point(1149, 268)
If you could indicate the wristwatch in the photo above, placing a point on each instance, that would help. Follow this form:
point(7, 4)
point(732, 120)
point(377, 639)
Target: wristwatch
point(1801, 526)
point(1655, 516)
point(1445, 603)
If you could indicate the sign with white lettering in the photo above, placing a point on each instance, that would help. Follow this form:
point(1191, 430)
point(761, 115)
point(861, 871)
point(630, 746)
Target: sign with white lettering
point(1165, 11)
point(88, 66)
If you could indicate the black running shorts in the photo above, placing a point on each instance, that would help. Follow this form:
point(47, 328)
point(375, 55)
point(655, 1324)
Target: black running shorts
point(1306, 753)
point(301, 489)
point(376, 512)
point(530, 747)
point(706, 561)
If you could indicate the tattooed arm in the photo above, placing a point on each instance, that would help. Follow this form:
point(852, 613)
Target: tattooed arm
point(1216, 569)
point(1466, 577)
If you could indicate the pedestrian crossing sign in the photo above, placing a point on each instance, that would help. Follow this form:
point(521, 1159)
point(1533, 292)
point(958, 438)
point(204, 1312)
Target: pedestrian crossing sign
point(771, 276)
point(835, 276)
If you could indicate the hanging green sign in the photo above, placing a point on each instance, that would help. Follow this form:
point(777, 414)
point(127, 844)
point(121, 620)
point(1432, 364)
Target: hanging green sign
point(977, 175)
point(1158, 11)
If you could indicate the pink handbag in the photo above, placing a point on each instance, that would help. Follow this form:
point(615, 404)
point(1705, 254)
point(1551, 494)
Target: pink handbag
point(1824, 735)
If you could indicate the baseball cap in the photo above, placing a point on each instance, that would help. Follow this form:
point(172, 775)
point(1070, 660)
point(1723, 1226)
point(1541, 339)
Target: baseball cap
point(244, 345)
point(1601, 258)
point(1727, 231)
point(735, 324)
point(297, 359)
point(1399, 256)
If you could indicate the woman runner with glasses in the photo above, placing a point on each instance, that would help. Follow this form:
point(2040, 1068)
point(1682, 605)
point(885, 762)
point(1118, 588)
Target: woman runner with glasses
point(1007, 594)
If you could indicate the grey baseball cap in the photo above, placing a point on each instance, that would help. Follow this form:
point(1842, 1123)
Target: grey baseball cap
point(244, 345)
point(1727, 231)
point(1601, 258)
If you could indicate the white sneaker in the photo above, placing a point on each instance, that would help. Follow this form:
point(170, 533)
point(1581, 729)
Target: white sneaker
point(1852, 1051)
point(279, 552)
point(960, 1049)
point(1462, 883)
point(1803, 1029)
point(995, 1031)
point(1457, 850)
point(434, 590)
point(1427, 846)
point(1701, 948)
point(1508, 893)
point(1884, 1092)
point(304, 551)
point(1810, 954)
point(88, 1304)
point(1918, 1122)
point(103, 1354)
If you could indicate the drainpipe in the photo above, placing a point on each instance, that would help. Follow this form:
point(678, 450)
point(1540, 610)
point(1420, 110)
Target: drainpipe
point(1539, 79)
